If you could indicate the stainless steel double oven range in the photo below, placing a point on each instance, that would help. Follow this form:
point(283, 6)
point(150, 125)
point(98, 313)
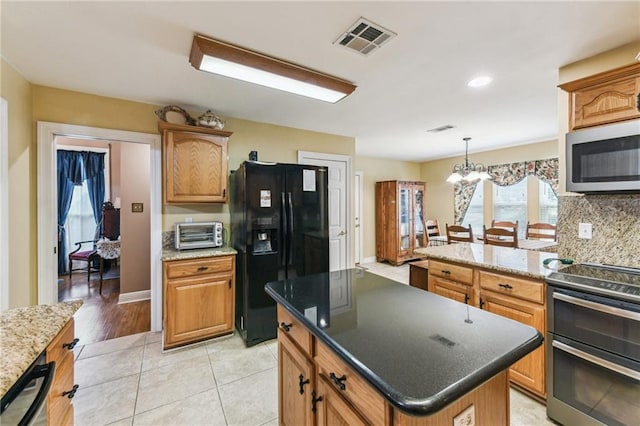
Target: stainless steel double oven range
point(593, 345)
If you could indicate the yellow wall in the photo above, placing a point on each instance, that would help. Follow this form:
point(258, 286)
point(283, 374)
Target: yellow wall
point(624, 55)
point(29, 104)
point(436, 172)
point(374, 170)
point(22, 188)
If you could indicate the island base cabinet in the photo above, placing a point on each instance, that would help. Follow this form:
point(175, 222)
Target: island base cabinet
point(490, 403)
point(296, 383)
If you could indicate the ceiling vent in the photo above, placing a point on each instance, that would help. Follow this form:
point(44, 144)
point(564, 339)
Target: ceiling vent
point(364, 37)
point(441, 128)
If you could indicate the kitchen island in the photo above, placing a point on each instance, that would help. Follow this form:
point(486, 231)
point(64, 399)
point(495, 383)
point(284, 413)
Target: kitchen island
point(360, 348)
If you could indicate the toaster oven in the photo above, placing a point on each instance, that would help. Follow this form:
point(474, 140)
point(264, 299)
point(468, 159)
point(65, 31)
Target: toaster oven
point(194, 235)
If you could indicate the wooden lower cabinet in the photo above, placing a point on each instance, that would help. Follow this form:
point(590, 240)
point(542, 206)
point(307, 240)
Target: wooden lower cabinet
point(59, 401)
point(519, 298)
point(198, 299)
point(333, 410)
point(529, 372)
point(296, 382)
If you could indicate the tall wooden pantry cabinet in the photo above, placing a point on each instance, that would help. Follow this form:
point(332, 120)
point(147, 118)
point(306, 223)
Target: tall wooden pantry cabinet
point(400, 220)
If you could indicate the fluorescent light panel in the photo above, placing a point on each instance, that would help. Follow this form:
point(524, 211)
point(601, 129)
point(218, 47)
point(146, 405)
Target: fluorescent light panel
point(242, 64)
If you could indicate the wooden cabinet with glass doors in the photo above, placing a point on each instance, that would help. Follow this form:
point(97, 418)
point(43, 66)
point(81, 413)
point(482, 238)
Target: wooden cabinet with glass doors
point(400, 220)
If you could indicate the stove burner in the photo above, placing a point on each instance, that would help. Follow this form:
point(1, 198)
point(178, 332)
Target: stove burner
point(614, 281)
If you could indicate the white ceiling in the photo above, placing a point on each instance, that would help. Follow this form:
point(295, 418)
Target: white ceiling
point(417, 81)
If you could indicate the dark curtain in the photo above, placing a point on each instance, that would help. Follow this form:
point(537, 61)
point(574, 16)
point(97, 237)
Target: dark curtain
point(70, 173)
point(94, 173)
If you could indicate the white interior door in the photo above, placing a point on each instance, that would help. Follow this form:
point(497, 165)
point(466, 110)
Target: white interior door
point(339, 167)
point(358, 219)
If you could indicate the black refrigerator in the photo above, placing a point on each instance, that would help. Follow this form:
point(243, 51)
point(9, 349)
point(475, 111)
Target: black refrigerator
point(279, 227)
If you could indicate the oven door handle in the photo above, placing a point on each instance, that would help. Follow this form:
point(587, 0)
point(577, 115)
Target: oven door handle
point(627, 372)
point(597, 306)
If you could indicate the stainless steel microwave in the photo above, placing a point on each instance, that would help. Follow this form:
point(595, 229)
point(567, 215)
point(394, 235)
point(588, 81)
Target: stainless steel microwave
point(604, 159)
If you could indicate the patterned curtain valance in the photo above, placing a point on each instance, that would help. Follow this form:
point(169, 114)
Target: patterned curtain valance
point(505, 175)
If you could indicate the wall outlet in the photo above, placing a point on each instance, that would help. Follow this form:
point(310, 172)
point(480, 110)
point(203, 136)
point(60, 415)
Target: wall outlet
point(584, 230)
point(466, 418)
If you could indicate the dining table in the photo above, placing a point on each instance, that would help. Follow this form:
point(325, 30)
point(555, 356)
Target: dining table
point(525, 244)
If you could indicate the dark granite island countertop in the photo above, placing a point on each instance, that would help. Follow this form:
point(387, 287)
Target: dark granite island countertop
point(421, 351)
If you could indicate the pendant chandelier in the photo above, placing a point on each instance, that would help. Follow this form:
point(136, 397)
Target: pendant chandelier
point(468, 171)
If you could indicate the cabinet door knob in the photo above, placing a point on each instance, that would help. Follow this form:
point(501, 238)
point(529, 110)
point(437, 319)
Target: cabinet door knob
point(314, 401)
point(70, 393)
point(71, 344)
point(302, 383)
point(339, 381)
point(286, 327)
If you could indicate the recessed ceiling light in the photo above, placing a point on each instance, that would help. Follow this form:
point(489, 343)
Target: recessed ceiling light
point(480, 81)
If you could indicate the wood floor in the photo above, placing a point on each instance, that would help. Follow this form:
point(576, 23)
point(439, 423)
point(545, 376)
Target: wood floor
point(100, 317)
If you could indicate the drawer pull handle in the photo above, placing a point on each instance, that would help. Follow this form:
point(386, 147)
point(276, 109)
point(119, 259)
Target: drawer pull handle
point(286, 327)
point(314, 401)
point(466, 298)
point(71, 344)
point(202, 268)
point(505, 286)
point(339, 381)
point(446, 272)
point(302, 383)
point(71, 393)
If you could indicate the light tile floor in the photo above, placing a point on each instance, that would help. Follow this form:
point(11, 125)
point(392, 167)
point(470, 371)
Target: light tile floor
point(129, 381)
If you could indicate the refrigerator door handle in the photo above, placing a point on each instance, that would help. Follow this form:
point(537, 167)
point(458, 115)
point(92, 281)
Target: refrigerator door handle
point(290, 230)
point(284, 227)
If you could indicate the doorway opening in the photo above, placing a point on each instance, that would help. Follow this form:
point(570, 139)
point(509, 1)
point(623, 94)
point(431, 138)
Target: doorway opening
point(47, 215)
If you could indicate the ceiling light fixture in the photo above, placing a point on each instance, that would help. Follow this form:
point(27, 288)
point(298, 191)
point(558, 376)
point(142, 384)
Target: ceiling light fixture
point(468, 171)
point(480, 81)
point(236, 62)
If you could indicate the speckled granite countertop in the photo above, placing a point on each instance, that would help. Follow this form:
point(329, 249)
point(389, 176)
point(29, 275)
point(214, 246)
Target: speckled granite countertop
point(505, 259)
point(172, 254)
point(25, 333)
point(421, 351)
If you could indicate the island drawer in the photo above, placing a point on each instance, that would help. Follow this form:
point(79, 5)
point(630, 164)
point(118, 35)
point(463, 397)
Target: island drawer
point(290, 326)
point(450, 271)
point(192, 267)
point(350, 384)
point(516, 287)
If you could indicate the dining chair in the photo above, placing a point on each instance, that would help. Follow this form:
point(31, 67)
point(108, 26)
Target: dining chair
point(500, 236)
point(433, 233)
point(542, 231)
point(90, 257)
point(458, 233)
point(504, 224)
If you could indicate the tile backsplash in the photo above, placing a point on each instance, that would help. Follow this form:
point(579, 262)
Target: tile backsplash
point(616, 229)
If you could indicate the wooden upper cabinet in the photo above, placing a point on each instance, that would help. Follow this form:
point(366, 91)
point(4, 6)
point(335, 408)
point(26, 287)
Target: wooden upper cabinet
point(604, 98)
point(195, 164)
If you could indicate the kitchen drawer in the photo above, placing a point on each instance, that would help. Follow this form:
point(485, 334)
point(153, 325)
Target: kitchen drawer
point(450, 271)
point(193, 267)
point(56, 351)
point(516, 287)
point(290, 326)
point(353, 387)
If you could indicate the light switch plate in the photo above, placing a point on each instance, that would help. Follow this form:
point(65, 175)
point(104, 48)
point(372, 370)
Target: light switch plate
point(585, 231)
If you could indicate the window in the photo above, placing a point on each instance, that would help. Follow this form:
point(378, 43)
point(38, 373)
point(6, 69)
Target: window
point(81, 226)
point(475, 212)
point(510, 203)
point(548, 204)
